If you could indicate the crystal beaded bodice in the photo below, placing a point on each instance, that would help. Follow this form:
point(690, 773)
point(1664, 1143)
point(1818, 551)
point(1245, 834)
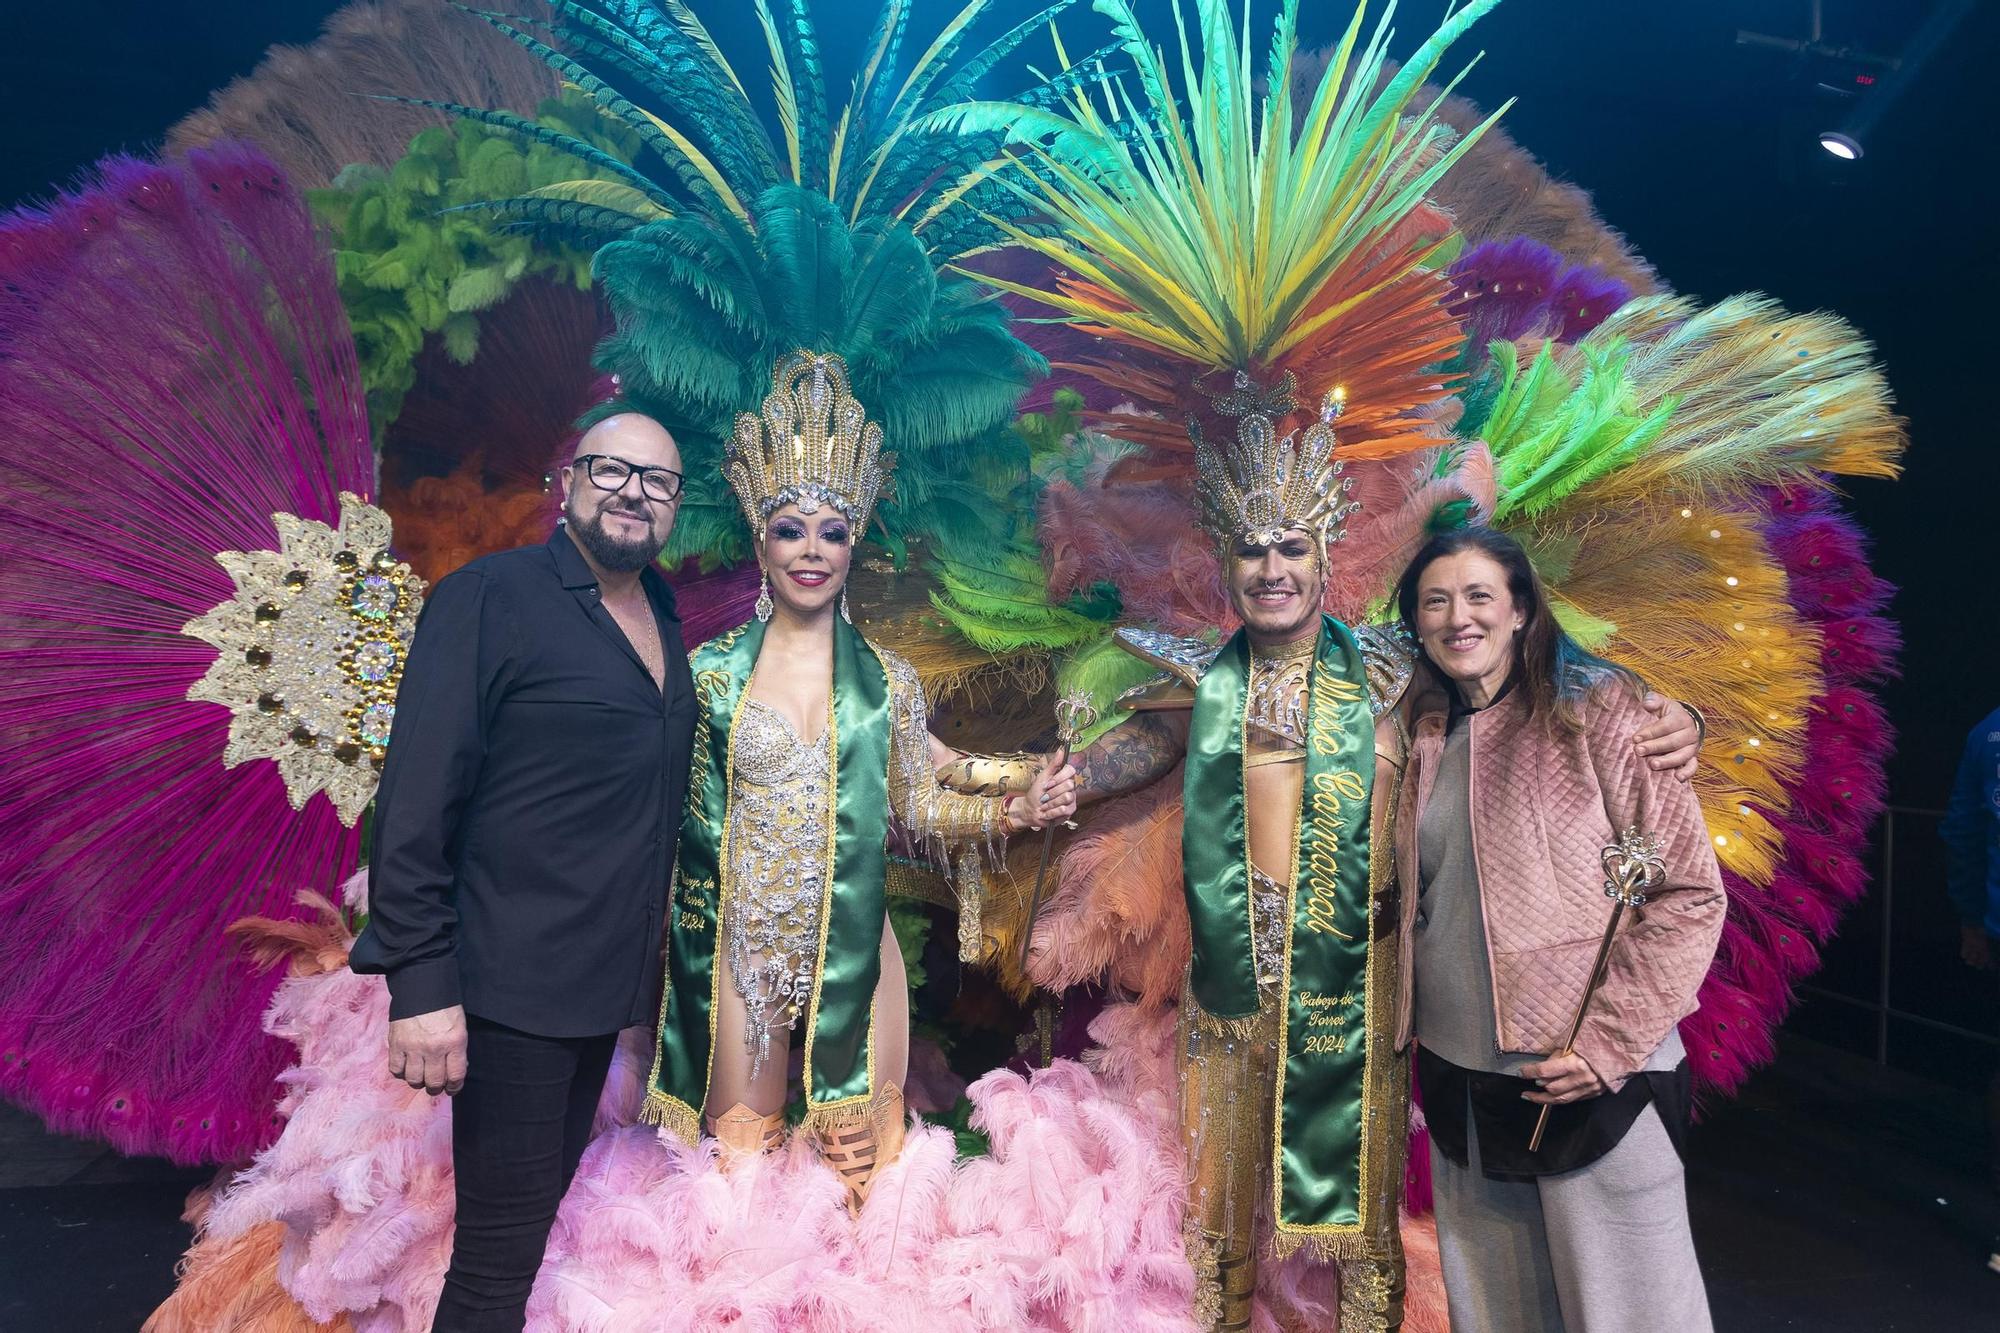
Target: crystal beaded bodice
point(779, 817)
point(1275, 713)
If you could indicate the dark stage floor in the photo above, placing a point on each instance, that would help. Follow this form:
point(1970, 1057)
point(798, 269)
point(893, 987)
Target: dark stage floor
point(1834, 1196)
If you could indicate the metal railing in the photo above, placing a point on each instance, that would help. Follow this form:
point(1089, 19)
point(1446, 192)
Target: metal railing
point(1889, 916)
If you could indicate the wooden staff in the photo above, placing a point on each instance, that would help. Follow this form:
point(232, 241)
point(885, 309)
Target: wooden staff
point(1074, 714)
point(1632, 865)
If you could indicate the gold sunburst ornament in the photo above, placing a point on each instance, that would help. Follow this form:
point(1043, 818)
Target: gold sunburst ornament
point(311, 651)
point(1261, 485)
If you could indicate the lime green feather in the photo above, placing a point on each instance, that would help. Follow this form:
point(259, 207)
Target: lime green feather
point(1552, 432)
point(1102, 671)
point(1000, 604)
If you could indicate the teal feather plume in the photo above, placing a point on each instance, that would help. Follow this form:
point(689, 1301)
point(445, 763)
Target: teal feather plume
point(652, 67)
point(809, 78)
point(671, 68)
point(681, 159)
point(563, 220)
point(964, 84)
point(706, 305)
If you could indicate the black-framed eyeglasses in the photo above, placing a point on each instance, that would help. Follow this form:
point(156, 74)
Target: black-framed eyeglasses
point(608, 472)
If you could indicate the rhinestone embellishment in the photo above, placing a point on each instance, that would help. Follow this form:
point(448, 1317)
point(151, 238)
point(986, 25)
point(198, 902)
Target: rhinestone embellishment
point(311, 649)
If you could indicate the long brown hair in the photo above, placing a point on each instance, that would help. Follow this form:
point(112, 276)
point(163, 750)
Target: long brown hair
point(1554, 672)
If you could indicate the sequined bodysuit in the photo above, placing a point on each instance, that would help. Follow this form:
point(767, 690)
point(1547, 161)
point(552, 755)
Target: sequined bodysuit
point(779, 808)
point(780, 817)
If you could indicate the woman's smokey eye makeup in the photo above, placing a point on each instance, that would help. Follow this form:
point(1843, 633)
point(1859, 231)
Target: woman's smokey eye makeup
point(787, 532)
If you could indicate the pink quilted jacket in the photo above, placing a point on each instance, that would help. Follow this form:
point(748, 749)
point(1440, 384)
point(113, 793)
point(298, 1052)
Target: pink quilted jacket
point(1545, 803)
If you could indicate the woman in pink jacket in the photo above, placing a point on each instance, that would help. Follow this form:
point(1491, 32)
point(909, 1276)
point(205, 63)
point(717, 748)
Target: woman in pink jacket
point(1522, 771)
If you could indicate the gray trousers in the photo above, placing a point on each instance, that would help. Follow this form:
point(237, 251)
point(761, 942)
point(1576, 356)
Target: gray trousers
point(1602, 1249)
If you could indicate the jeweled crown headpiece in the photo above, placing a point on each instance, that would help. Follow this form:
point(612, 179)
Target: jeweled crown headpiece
point(1261, 485)
point(811, 445)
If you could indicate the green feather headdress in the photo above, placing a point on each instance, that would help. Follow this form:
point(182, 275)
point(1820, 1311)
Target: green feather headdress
point(707, 304)
point(652, 68)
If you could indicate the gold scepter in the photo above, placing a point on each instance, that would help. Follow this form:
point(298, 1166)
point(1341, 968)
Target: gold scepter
point(1632, 865)
point(1074, 714)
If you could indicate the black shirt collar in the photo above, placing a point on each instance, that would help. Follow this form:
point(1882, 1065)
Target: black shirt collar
point(575, 572)
point(571, 567)
point(1461, 709)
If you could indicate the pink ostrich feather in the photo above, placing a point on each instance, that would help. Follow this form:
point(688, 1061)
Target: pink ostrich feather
point(1140, 535)
point(1398, 496)
point(1070, 1224)
point(175, 367)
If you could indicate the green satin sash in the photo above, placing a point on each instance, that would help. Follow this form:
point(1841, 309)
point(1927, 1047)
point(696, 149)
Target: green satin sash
point(839, 1021)
point(1319, 1146)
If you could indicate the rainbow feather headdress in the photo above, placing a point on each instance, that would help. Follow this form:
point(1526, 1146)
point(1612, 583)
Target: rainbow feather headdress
point(1240, 238)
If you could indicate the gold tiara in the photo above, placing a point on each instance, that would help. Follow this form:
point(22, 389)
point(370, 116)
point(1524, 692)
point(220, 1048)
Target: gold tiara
point(1261, 485)
point(811, 445)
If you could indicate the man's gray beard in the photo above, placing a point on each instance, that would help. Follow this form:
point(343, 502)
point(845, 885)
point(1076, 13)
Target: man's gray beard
point(611, 554)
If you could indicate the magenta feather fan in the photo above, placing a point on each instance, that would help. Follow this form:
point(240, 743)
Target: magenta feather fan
point(175, 369)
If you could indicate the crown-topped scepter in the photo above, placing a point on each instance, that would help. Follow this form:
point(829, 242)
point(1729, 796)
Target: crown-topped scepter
point(1074, 714)
point(1632, 865)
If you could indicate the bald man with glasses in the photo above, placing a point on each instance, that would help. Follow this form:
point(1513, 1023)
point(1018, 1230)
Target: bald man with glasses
point(524, 833)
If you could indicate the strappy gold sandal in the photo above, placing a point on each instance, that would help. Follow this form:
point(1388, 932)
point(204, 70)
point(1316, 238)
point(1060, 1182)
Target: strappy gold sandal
point(857, 1153)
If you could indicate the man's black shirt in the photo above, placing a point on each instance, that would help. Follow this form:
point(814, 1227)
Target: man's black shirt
point(531, 802)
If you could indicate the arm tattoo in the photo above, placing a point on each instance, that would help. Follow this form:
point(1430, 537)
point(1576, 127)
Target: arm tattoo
point(1129, 756)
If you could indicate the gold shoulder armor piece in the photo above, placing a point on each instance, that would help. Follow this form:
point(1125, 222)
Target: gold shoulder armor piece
point(1182, 663)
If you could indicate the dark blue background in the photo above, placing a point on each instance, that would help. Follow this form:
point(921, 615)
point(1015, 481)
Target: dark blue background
point(1701, 151)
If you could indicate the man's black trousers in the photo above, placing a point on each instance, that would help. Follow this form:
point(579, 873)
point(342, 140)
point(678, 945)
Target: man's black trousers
point(518, 1130)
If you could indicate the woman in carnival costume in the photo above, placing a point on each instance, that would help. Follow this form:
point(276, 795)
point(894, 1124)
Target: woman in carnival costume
point(779, 913)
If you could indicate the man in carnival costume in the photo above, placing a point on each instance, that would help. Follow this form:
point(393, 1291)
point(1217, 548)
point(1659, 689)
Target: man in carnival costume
point(1292, 733)
point(1223, 336)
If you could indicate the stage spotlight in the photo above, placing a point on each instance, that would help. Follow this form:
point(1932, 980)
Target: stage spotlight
point(1844, 146)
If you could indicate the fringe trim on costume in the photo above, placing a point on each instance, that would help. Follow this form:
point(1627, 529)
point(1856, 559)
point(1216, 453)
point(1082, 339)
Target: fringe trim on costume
point(673, 1116)
point(838, 1117)
point(1214, 1025)
point(1323, 1247)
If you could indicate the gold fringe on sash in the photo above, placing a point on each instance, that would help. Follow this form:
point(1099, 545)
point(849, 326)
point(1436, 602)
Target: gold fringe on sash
point(1212, 1025)
point(673, 1116)
point(837, 1117)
